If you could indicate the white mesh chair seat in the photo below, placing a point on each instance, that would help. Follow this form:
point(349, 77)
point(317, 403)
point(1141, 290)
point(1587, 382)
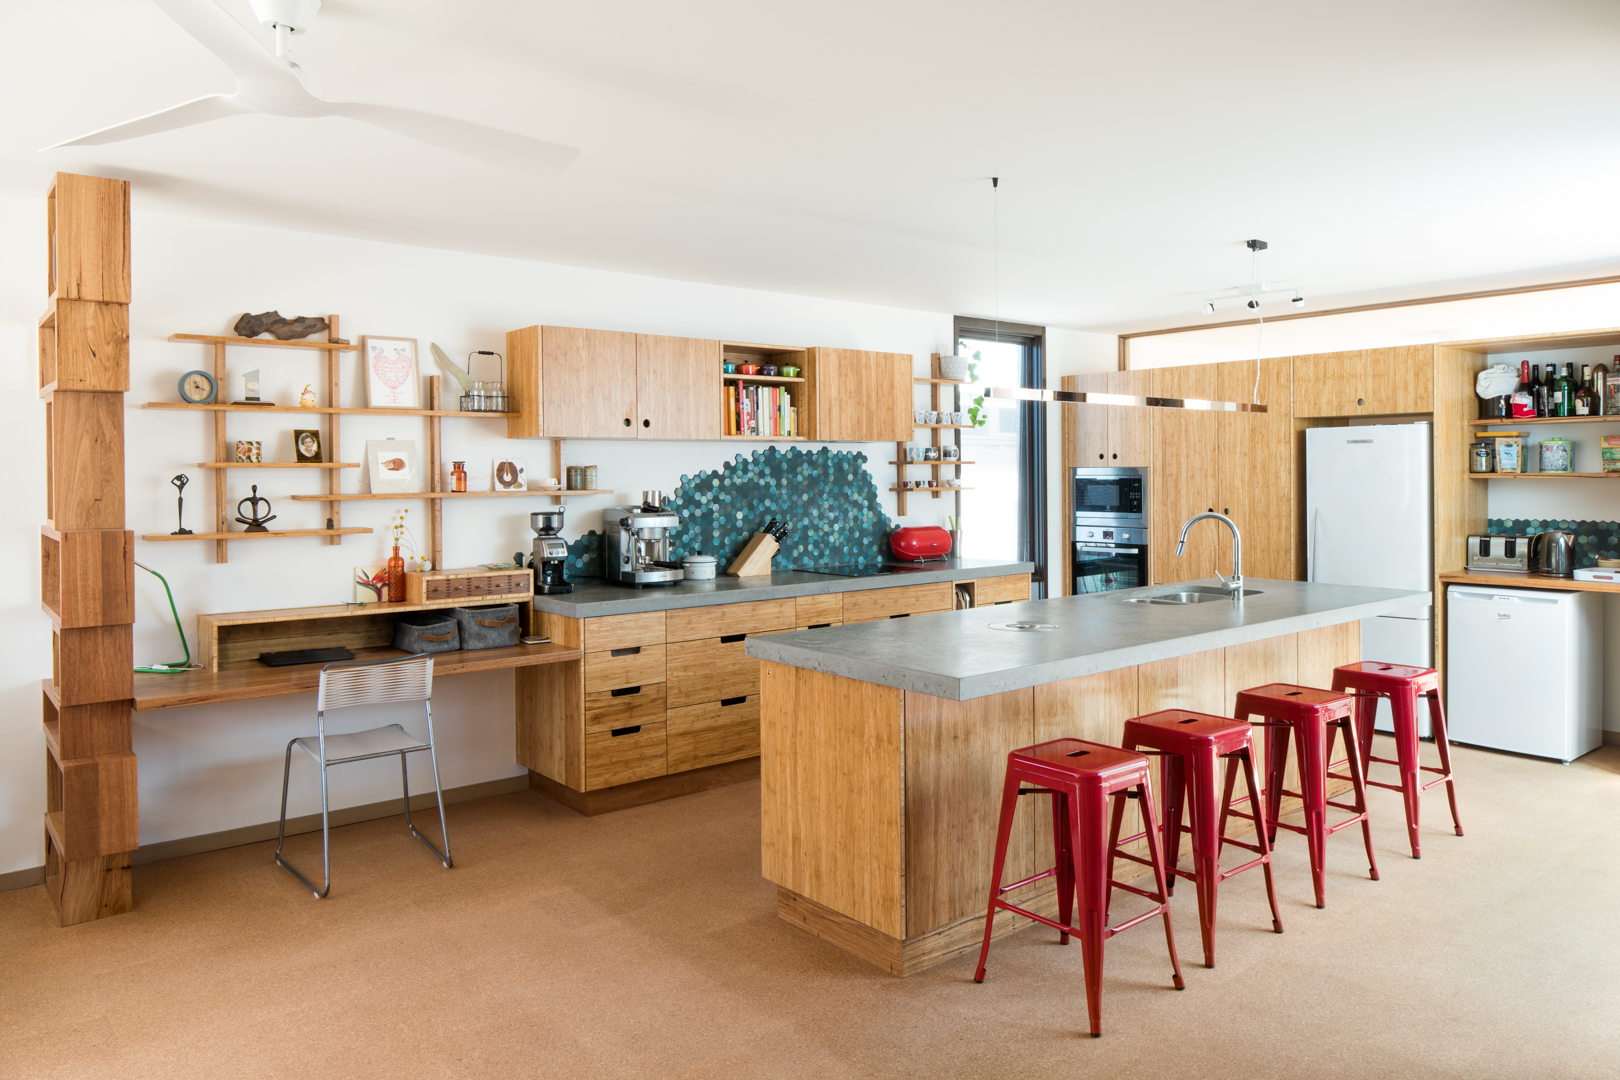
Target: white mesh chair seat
point(408, 679)
point(392, 739)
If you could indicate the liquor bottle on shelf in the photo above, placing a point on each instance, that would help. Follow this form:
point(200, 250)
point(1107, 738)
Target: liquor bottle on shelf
point(1583, 394)
point(1541, 389)
point(1563, 393)
point(1600, 388)
point(1524, 395)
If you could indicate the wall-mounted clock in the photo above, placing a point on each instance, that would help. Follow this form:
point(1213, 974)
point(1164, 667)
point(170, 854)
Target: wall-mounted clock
point(197, 388)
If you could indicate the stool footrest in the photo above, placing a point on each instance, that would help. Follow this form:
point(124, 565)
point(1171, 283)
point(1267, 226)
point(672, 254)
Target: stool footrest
point(1331, 829)
point(1240, 844)
point(1443, 779)
point(1042, 876)
point(1161, 909)
point(1386, 787)
point(1132, 858)
point(1250, 865)
point(1139, 892)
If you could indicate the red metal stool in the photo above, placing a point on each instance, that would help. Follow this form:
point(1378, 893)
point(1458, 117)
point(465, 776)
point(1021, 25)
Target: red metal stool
point(1403, 686)
point(1192, 745)
point(1081, 777)
point(1315, 717)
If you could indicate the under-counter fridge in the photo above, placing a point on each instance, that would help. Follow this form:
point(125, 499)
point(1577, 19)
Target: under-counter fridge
point(1368, 521)
point(1525, 670)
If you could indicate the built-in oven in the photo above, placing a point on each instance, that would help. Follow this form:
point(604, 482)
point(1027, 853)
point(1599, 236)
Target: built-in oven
point(1110, 508)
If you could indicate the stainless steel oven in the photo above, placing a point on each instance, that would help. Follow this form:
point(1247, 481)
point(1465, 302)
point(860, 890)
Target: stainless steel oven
point(1110, 508)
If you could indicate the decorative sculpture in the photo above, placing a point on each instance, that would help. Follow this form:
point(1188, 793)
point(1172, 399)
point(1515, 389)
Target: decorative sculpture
point(278, 326)
point(256, 519)
point(180, 483)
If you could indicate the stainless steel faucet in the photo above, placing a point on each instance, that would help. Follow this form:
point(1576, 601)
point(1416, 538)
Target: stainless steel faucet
point(1234, 584)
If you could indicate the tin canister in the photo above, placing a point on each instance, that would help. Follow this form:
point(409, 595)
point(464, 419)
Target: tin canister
point(1557, 455)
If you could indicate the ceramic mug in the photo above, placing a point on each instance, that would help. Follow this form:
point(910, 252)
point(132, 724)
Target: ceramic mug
point(950, 453)
point(934, 418)
point(930, 453)
point(953, 483)
point(958, 417)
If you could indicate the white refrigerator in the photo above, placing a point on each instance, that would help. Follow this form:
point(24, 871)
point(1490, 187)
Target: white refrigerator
point(1368, 521)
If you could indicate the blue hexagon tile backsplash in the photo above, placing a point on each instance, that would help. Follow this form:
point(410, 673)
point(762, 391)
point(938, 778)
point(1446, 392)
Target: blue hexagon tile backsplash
point(826, 498)
point(1593, 539)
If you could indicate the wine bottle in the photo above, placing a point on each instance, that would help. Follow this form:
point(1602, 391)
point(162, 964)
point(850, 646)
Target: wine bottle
point(1583, 393)
point(1564, 391)
point(1523, 402)
point(1540, 390)
point(1600, 389)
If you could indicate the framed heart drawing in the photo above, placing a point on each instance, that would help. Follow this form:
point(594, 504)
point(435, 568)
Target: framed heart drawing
point(391, 378)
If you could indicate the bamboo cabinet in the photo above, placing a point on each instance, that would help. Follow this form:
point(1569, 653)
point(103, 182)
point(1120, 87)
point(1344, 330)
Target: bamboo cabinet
point(677, 388)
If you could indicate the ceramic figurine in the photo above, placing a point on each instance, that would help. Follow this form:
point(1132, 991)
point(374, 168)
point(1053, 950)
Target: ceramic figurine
point(306, 399)
point(180, 483)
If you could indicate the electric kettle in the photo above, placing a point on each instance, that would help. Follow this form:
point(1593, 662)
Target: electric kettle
point(1553, 552)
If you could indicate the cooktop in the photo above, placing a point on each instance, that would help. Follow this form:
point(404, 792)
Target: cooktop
point(869, 569)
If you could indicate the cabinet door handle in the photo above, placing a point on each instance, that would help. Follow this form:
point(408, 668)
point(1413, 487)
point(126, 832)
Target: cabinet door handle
point(724, 702)
point(646, 423)
point(625, 691)
point(616, 732)
point(731, 639)
point(625, 652)
point(818, 626)
point(627, 421)
point(906, 615)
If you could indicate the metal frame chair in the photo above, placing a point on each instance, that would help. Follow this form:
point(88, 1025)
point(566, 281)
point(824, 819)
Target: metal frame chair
point(366, 682)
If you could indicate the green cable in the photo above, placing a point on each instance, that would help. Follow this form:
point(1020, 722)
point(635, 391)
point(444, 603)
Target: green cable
point(184, 665)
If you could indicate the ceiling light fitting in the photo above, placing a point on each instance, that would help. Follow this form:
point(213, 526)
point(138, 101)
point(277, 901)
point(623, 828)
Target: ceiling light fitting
point(1257, 292)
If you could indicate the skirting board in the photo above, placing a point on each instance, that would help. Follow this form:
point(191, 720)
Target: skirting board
point(253, 834)
point(642, 792)
point(1611, 738)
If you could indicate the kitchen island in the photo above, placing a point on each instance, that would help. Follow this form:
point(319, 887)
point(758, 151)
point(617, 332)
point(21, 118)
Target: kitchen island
point(883, 745)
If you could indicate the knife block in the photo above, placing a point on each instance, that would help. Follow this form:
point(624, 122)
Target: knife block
point(755, 559)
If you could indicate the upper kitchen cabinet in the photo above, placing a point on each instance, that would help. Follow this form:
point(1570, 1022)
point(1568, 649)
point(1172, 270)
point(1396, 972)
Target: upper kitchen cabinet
point(571, 383)
point(1186, 477)
point(861, 396)
point(1107, 436)
point(1256, 453)
point(677, 388)
point(1365, 382)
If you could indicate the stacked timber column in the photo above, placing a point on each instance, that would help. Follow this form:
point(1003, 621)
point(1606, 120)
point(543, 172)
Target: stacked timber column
point(87, 570)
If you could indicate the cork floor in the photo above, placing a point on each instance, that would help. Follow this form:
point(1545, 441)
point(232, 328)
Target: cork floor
point(644, 943)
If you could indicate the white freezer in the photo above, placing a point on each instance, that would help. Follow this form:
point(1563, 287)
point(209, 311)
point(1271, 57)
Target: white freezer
point(1526, 670)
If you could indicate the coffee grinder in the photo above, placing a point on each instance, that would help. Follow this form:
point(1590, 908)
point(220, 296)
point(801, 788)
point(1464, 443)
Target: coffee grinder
point(550, 555)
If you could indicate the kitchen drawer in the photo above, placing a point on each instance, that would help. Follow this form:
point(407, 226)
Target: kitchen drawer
point(624, 631)
point(1013, 588)
point(709, 670)
point(624, 755)
point(712, 733)
point(906, 600)
point(811, 610)
point(690, 624)
point(625, 707)
point(634, 666)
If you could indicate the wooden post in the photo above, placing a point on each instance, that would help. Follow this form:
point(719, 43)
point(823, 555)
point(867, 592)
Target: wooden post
point(334, 477)
point(558, 469)
point(435, 483)
point(221, 491)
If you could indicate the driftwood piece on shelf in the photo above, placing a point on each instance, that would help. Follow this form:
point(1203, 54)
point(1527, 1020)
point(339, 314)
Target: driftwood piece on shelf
point(278, 326)
point(755, 559)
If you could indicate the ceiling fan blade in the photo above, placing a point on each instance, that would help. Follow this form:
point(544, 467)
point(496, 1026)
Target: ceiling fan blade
point(503, 148)
point(259, 75)
point(197, 111)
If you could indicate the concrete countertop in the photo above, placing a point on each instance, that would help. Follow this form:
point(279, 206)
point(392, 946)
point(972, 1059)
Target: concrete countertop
point(956, 654)
point(594, 597)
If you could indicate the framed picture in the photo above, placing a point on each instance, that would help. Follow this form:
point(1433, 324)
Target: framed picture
point(392, 467)
point(391, 379)
point(307, 445)
point(508, 474)
point(370, 584)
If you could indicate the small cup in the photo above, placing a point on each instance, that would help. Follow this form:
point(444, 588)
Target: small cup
point(930, 453)
point(729, 368)
point(921, 416)
point(950, 453)
point(953, 482)
point(934, 418)
point(958, 417)
point(549, 482)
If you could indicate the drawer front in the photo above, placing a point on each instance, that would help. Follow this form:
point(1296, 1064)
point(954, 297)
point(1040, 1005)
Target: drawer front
point(713, 733)
point(624, 758)
point(709, 670)
point(1013, 588)
point(604, 671)
point(494, 584)
point(624, 631)
point(906, 600)
point(624, 707)
point(691, 624)
point(810, 610)
point(445, 588)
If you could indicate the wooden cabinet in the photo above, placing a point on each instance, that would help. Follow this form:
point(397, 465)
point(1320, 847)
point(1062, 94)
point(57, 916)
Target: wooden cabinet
point(677, 388)
point(1009, 589)
point(1257, 467)
point(714, 732)
point(818, 611)
point(1186, 477)
point(871, 604)
point(571, 383)
point(1365, 382)
point(1107, 436)
point(861, 396)
point(624, 755)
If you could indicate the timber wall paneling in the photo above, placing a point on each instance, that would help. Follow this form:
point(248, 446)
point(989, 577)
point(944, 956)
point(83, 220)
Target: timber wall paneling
point(87, 570)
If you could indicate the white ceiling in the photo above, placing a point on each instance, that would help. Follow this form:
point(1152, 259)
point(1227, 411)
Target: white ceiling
point(1384, 148)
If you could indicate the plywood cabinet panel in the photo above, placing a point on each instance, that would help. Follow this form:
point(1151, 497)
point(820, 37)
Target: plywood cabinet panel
point(1009, 589)
point(588, 382)
point(623, 758)
point(710, 670)
point(640, 666)
point(523, 383)
point(862, 396)
point(871, 604)
point(813, 610)
point(689, 624)
point(1130, 429)
point(713, 733)
point(625, 707)
point(622, 631)
point(1257, 468)
point(1365, 382)
point(677, 388)
point(1185, 478)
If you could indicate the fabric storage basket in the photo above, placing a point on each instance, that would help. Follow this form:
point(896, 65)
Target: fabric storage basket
point(427, 632)
point(488, 627)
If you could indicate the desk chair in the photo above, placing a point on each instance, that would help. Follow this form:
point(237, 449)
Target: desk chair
point(367, 682)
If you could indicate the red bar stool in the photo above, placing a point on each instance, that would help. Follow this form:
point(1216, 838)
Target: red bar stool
point(1081, 777)
point(1193, 745)
point(1315, 717)
point(1403, 685)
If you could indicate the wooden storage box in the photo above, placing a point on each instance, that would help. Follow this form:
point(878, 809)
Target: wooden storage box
point(87, 223)
point(84, 345)
point(87, 576)
point(624, 755)
point(433, 586)
point(84, 460)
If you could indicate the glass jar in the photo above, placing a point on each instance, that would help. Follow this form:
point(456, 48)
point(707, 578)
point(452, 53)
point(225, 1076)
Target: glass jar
point(1557, 456)
point(1482, 457)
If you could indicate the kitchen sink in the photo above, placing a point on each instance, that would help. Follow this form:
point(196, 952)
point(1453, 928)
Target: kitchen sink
point(1188, 594)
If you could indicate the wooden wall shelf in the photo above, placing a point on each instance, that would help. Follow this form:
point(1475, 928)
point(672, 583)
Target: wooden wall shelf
point(265, 343)
point(957, 427)
point(274, 534)
point(1545, 476)
point(762, 378)
point(1526, 581)
point(935, 404)
point(539, 493)
point(323, 409)
point(1545, 420)
point(943, 382)
point(934, 463)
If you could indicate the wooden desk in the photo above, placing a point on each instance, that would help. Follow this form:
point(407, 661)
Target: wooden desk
point(251, 679)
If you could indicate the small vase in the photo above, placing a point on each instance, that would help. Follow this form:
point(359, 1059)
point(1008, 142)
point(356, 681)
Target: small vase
point(396, 578)
point(956, 543)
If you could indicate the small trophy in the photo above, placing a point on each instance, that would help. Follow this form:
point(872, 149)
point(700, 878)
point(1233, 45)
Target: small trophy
point(250, 390)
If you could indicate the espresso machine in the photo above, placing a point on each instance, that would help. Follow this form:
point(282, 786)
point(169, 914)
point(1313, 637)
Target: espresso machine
point(550, 554)
point(635, 544)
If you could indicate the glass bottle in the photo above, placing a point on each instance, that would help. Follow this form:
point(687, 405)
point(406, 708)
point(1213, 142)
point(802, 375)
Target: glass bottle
point(1583, 394)
point(1524, 395)
point(1539, 390)
point(458, 476)
point(1600, 388)
point(396, 578)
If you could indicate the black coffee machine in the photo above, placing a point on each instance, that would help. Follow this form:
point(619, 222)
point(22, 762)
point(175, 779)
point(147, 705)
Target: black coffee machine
point(550, 555)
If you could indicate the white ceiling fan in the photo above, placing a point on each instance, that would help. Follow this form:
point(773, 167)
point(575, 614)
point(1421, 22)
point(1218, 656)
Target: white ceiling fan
point(276, 86)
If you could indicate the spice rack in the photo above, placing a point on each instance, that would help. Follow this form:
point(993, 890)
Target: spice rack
point(935, 488)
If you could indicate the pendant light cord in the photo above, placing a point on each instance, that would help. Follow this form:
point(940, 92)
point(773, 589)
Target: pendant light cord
point(1260, 323)
point(995, 249)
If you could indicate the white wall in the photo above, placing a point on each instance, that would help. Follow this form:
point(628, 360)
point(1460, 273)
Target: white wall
point(1526, 314)
point(208, 769)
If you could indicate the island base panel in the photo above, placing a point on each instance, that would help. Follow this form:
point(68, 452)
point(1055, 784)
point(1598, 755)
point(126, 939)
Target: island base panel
point(641, 792)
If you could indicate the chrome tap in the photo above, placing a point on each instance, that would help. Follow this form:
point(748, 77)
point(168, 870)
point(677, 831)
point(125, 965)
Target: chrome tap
point(1234, 584)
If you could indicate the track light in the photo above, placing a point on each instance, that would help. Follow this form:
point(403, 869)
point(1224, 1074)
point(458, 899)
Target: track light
point(1253, 305)
point(1209, 308)
point(1298, 300)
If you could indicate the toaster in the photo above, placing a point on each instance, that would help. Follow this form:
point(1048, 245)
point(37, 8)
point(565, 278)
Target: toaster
point(1502, 554)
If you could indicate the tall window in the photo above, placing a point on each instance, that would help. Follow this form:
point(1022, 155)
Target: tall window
point(1004, 497)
